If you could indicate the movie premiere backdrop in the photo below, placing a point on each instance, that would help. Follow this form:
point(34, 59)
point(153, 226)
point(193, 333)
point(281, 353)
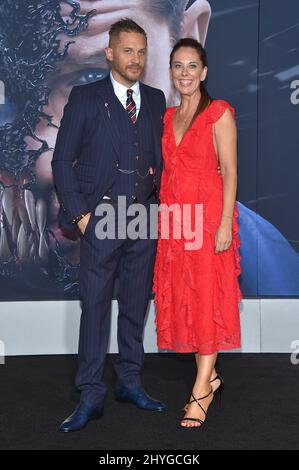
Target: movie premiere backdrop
point(48, 46)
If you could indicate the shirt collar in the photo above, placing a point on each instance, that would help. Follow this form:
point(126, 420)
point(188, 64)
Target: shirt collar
point(121, 90)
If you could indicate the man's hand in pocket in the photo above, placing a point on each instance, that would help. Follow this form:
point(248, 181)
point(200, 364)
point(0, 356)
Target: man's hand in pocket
point(82, 224)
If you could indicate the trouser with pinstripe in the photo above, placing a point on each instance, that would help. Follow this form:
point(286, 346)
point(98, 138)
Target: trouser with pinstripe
point(100, 261)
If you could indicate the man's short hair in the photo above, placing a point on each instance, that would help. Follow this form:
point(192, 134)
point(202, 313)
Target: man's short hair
point(125, 25)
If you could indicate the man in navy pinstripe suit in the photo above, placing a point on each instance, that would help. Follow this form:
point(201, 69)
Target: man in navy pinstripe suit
point(109, 145)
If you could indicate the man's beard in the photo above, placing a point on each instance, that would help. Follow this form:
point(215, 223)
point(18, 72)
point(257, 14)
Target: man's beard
point(129, 76)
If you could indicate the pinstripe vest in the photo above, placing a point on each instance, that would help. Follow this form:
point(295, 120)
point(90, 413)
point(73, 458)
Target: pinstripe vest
point(137, 153)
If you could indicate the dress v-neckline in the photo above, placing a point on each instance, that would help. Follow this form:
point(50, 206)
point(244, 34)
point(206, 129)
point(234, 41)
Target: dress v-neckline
point(172, 128)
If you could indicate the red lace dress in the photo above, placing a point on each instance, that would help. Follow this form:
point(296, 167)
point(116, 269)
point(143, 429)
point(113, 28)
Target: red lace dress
point(196, 291)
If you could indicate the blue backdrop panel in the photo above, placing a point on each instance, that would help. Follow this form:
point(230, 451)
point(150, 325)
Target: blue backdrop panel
point(46, 47)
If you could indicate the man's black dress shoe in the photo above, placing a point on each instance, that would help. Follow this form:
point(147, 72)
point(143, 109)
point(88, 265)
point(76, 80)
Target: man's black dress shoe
point(138, 397)
point(83, 413)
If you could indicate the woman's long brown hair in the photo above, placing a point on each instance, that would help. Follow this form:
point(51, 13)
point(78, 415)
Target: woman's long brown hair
point(205, 98)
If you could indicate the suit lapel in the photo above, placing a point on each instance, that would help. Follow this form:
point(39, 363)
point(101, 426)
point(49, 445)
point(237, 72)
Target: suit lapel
point(109, 107)
point(106, 101)
point(155, 125)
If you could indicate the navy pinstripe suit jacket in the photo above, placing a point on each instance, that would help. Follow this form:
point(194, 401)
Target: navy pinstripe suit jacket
point(88, 144)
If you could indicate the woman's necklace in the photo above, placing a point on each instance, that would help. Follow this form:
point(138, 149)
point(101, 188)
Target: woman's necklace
point(184, 119)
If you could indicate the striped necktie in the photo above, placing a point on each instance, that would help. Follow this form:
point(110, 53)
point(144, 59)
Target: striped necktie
point(131, 106)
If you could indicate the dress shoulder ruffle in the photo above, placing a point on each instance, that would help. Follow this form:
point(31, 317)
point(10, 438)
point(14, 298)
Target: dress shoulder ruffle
point(168, 113)
point(216, 110)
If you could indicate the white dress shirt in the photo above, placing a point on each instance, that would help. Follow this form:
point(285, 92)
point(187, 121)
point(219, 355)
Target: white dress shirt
point(121, 93)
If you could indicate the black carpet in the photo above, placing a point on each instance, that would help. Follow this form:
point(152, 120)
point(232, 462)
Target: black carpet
point(259, 407)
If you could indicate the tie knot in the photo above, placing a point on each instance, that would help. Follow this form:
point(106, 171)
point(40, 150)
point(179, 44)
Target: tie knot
point(129, 93)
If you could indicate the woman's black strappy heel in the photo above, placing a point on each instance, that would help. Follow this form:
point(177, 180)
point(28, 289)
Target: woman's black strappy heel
point(197, 420)
point(218, 391)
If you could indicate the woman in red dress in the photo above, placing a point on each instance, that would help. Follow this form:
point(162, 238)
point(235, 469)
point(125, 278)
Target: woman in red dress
point(196, 289)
